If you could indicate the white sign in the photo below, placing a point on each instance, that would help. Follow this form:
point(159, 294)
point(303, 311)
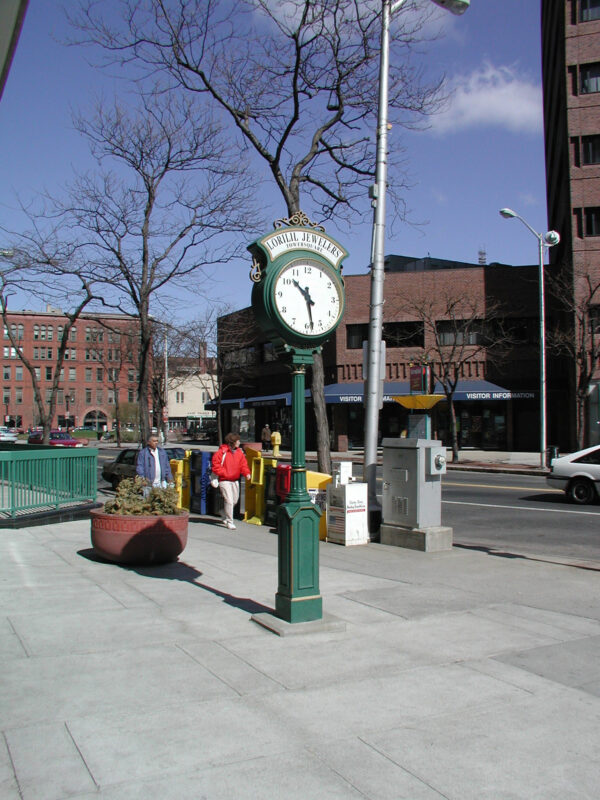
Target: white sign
point(288, 239)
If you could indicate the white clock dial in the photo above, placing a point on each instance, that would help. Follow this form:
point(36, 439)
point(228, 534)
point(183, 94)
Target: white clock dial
point(308, 297)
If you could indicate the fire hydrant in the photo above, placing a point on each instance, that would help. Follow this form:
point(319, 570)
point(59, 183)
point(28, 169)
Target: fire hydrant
point(275, 443)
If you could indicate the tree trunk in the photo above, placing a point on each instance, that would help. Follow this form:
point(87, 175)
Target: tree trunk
point(453, 431)
point(320, 409)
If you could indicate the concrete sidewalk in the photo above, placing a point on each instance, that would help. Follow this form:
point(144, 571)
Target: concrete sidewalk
point(459, 675)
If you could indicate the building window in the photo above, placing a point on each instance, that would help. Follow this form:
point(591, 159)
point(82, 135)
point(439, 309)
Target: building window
point(42, 332)
point(72, 374)
point(13, 352)
point(589, 10)
point(6, 372)
point(6, 395)
point(21, 331)
point(73, 334)
point(48, 373)
point(592, 221)
point(50, 334)
point(99, 396)
point(179, 397)
point(36, 331)
point(88, 396)
point(130, 396)
point(404, 334)
point(48, 395)
point(356, 335)
point(18, 373)
point(88, 334)
point(60, 397)
point(589, 78)
point(111, 396)
point(130, 375)
point(88, 373)
point(452, 333)
point(18, 395)
point(6, 331)
point(99, 374)
point(37, 372)
point(590, 149)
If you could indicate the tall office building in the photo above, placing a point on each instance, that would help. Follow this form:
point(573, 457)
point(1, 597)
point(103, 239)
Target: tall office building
point(571, 83)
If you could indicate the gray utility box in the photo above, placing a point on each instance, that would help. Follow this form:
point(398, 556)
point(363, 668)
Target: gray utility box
point(412, 494)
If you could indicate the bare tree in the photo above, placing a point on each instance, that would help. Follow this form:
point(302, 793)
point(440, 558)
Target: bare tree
point(458, 331)
point(117, 358)
point(577, 337)
point(298, 80)
point(46, 264)
point(164, 213)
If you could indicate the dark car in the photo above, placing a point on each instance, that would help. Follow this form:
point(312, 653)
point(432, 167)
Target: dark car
point(57, 439)
point(124, 464)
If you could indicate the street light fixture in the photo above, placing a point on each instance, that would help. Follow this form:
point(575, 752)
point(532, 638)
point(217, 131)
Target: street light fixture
point(373, 360)
point(548, 239)
point(69, 398)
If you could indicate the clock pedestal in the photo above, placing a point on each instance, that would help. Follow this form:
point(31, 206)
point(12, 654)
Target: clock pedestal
point(298, 598)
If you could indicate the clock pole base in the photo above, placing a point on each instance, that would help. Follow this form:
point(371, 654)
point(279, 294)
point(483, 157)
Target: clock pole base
point(298, 609)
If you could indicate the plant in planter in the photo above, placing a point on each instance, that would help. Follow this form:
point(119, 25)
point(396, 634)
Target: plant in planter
point(142, 525)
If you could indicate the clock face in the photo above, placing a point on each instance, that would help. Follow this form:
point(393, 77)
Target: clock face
point(308, 297)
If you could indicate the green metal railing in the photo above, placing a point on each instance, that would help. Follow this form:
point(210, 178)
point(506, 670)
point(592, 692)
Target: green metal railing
point(34, 478)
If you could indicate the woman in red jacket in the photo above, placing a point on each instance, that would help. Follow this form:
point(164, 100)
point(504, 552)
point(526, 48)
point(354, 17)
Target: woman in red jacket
point(229, 462)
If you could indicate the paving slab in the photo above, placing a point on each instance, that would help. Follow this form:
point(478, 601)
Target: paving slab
point(294, 776)
point(527, 748)
point(53, 688)
point(573, 663)
point(47, 762)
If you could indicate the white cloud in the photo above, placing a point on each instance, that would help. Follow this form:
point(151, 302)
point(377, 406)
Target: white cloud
point(492, 97)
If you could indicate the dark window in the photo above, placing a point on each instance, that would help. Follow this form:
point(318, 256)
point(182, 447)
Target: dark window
point(595, 319)
point(589, 78)
point(129, 457)
point(592, 221)
point(522, 330)
point(589, 458)
point(591, 149)
point(589, 10)
point(460, 332)
point(356, 335)
point(404, 334)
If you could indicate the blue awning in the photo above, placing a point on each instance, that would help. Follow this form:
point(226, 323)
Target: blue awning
point(349, 393)
point(484, 390)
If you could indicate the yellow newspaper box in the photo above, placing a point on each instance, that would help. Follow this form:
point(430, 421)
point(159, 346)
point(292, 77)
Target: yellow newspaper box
point(316, 483)
point(181, 479)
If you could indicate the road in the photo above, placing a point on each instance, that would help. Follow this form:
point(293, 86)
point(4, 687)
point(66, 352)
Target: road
point(518, 514)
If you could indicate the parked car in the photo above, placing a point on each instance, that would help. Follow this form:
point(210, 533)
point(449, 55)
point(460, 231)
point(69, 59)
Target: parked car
point(8, 435)
point(577, 474)
point(57, 439)
point(124, 464)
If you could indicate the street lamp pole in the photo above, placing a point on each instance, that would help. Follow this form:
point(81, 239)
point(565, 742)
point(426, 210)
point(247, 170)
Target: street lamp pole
point(548, 239)
point(374, 378)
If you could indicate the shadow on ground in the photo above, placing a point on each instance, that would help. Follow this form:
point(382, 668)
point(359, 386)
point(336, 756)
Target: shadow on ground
point(180, 571)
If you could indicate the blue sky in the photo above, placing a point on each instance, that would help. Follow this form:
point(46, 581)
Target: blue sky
point(486, 151)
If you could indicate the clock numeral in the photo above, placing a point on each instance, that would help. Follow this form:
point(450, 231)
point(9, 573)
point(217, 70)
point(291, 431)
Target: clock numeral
point(287, 281)
point(307, 270)
point(280, 293)
point(283, 309)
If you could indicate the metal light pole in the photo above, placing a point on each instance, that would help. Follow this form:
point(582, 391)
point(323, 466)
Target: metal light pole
point(373, 365)
point(548, 239)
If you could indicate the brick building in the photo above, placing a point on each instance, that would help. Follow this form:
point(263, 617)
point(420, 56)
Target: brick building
point(571, 83)
point(496, 399)
point(100, 366)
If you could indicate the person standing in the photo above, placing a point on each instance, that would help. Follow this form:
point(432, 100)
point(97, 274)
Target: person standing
point(229, 463)
point(265, 436)
point(153, 464)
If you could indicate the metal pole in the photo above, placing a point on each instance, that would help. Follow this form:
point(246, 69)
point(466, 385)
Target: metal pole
point(377, 275)
point(542, 355)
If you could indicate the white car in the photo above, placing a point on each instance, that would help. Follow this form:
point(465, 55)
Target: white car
point(577, 474)
point(7, 435)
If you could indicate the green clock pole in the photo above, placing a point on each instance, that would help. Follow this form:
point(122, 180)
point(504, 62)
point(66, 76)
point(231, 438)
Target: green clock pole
point(298, 598)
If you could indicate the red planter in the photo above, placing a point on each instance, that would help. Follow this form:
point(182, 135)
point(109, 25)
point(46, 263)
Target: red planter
point(139, 540)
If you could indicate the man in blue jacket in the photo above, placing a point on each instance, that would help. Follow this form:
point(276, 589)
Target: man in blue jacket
point(153, 463)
